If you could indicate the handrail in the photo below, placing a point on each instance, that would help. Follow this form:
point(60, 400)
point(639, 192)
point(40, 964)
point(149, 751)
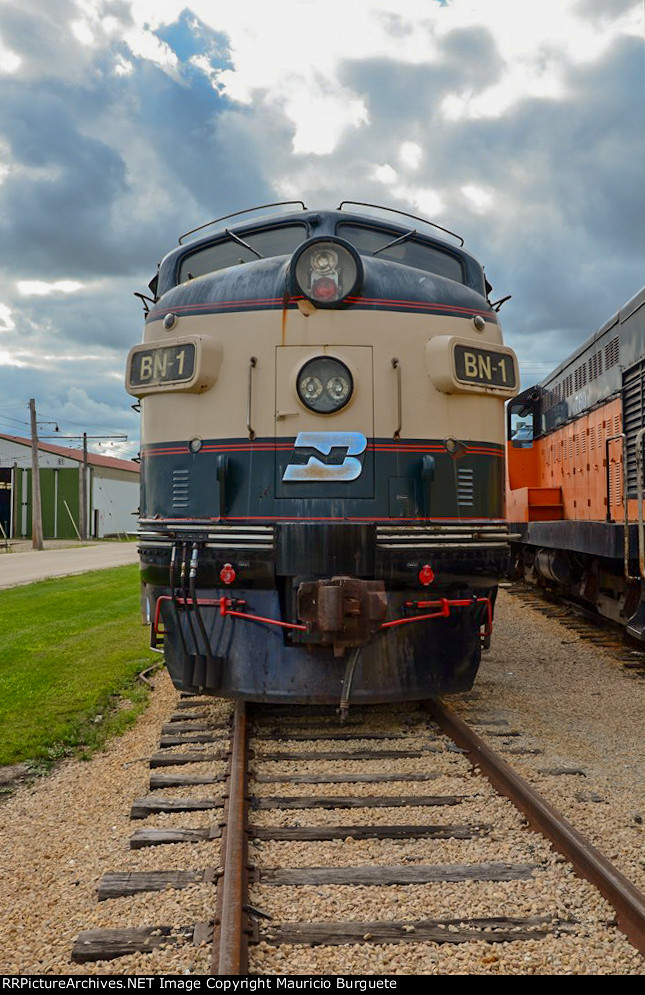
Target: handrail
point(623, 438)
point(399, 403)
point(639, 489)
point(404, 214)
point(235, 214)
point(612, 438)
point(252, 364)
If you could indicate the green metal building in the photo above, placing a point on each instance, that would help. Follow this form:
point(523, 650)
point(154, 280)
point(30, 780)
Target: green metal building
point(112, 486)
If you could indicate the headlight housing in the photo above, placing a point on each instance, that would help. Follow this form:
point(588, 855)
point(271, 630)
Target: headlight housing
point(324, 385)
point(326, 271)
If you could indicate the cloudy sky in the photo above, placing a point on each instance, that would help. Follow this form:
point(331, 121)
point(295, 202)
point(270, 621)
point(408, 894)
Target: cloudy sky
point(123, 123)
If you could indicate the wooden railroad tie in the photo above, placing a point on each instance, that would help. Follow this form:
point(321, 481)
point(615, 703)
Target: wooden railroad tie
point(386, 875)
point(494, 930)
point(353, 801)
point(158, 837)
point(107, 944)
point(286, 734)
point(158, 781)
point(173, 727)
point(118, 884)
point(398, 832)
point(143, 807)
point(185, 739)
point(346, 755)
point(179, 759)
point(343, 778)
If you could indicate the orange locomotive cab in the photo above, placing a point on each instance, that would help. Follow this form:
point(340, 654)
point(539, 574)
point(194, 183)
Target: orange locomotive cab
point(530, 497)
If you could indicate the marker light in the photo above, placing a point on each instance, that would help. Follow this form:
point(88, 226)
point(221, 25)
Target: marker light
point(426, 574)
point(324, 288)
point(227, 574)
point(326, 271)
point(324, 385)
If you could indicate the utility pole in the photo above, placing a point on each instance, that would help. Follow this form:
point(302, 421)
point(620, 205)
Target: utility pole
point(36, 506)
point(82, 510)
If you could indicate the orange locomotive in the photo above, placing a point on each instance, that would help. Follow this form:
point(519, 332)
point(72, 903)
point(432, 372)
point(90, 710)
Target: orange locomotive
point(575, 472)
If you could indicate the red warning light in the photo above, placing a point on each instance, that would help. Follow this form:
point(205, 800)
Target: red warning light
point(227, 574)
point(426, 574)
point(324, 289)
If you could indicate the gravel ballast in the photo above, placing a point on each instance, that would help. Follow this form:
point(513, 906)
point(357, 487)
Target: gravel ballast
point(562, 696)
point(60, 834)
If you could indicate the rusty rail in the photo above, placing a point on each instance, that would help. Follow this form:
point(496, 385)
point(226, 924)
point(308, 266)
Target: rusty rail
point(230, 938)
point(628, 902)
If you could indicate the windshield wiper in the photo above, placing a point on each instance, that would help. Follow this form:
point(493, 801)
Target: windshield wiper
point(396, 241)
point(246, 245)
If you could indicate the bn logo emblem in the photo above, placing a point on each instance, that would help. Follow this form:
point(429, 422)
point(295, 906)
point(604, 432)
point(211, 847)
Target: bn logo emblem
point(326, 456)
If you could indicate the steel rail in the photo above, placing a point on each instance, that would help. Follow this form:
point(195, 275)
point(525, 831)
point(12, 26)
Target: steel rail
point(230, 938)
point(627, 900)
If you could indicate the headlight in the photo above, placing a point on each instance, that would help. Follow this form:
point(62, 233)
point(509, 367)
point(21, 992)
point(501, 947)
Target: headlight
point(326, 271)
point(325, 384)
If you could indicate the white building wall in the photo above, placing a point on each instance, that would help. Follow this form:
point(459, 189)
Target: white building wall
point(14, 452)
point(114, 492)
point(117, 503)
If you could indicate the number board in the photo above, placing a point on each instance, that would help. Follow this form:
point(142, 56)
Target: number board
point(484, 366)
point(165, 364)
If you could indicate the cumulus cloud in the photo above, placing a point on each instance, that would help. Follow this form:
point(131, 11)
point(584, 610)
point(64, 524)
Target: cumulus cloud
point(40, 288)
point(126, 122)
point(548, 195)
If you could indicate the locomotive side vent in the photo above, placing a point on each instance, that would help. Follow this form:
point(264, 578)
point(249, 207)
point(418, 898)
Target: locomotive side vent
point(634, 417)
point(580, 376)
point(180, 489)
point(612, 352)
point(465, 488)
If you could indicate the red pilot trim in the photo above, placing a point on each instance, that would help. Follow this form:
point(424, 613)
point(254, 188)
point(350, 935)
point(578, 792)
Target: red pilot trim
point(225, 605)
point(225, 608)
point(445, 605)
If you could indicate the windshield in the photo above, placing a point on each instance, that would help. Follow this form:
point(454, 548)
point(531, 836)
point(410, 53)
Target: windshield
point(404, 249)
point(226, 252)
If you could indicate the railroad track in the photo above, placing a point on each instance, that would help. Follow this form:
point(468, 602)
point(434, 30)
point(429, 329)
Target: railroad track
point(386, 834)
point(586, 624)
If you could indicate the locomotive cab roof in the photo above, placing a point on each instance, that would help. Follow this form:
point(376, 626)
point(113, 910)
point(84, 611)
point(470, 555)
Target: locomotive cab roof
point(278, 235)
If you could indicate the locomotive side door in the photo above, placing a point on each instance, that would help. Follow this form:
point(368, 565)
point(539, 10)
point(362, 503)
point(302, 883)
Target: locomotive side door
point(324, 422)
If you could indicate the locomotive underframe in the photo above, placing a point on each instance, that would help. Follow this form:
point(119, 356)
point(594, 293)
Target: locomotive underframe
point(247, 639)
point(584, 560)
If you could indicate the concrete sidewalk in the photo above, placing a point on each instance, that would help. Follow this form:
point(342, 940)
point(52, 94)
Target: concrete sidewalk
point(24, 565)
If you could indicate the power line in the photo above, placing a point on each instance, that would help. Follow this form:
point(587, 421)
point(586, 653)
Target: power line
point(18, 421)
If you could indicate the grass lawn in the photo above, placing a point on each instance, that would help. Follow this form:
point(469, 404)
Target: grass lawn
point(69, 655)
